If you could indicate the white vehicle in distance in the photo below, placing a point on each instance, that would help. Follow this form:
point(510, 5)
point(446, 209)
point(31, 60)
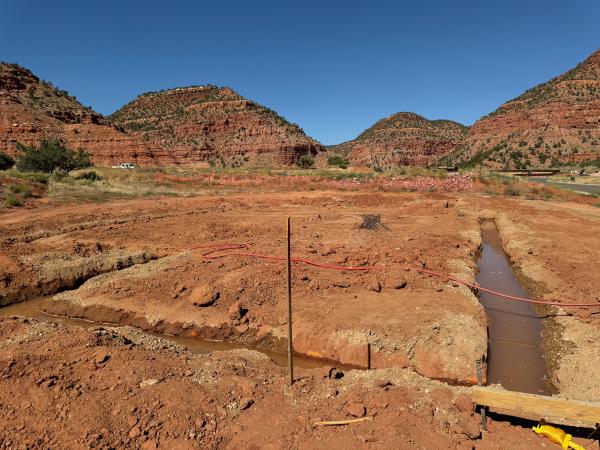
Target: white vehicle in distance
point(124, 166)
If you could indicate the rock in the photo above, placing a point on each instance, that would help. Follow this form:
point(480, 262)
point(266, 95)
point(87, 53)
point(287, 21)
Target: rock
point(246, 403)
point(355, 409)
point(101, 357)
point(135, 432)
point(200, 422)
point(132, 421)
point(203, 296)
point(336, 374)
point(398, 283)
point(375, 286)
point(464, 403)
point(149, 445)
point(178, 291)
point(382, 383)
point(149, 382)
point(328, 252)
point(242, 328)
point(236, 311)
point(341, 284)
point(48, 383)
point(469, 426)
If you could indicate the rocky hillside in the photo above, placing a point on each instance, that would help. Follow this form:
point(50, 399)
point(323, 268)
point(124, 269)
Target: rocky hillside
point(209, 123)
point(549, 125)
point(32, 109)
point(403, 139)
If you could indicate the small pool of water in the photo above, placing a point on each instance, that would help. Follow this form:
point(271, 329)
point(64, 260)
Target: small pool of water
point(33, 309)
point(515, 356)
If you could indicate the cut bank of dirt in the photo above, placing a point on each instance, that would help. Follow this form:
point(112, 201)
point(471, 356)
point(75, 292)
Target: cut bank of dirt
point(147, 393)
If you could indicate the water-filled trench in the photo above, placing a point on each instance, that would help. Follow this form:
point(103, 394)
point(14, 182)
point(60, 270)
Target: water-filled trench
point(515, 356)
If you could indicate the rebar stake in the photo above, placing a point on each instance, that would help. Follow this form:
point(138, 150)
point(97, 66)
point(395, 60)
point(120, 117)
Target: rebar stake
point(289, 301)
point(481, 407)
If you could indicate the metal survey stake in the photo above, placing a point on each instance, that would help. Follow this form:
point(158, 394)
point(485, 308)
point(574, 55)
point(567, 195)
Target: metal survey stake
point(289, 300)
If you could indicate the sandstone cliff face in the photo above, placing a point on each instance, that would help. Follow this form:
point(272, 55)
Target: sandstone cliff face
point(32, 110)
point(216, 125)
point(403, 139)
point(550, 124)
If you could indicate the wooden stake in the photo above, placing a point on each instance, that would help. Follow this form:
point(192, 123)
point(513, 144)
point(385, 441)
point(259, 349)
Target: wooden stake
point(289, 300)
point(341, 422)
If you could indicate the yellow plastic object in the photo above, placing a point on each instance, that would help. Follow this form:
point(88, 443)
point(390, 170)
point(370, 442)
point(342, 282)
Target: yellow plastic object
point(557, 436)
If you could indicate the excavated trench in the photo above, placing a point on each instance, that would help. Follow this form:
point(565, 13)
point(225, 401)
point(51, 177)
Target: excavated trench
point(34, 309)
point(515, 356)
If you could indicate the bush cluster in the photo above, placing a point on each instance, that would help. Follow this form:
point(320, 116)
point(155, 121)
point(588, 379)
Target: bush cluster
point(6, 162)
point(337, 160)
point(306, 162)
point(49, 156)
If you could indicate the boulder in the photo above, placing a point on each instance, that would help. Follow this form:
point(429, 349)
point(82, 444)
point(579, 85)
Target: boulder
point(203, 296)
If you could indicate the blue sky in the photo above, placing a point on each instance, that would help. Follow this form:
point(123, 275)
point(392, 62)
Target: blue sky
point(333, 67)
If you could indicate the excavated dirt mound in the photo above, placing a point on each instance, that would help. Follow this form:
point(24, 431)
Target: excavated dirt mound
point(388, 316)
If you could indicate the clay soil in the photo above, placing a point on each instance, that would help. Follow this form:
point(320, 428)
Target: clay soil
point(133, 264)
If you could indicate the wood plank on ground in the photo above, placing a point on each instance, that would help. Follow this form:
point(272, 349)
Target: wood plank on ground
point(535, 407)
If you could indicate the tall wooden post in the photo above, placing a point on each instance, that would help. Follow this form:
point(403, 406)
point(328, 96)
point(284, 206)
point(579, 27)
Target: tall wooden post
point(289, 300)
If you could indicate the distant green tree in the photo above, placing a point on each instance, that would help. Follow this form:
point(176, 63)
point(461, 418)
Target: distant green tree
point(337, 160)
point(49, 156)
point(6, 162)
point(306, 162)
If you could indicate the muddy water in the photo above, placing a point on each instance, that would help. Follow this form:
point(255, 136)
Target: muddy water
point(515, 357)
point(33, 309)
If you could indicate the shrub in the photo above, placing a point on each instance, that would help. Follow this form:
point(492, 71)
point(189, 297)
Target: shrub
point(337, 160)
point(21, 189)
point(59, 174)
point(49, 156)
point(512, 191)
point(6, 162)
point(12, 201)
point(306, 162)
point(91, 176)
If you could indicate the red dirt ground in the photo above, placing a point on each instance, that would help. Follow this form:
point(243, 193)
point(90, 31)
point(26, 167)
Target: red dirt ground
point(143, 273)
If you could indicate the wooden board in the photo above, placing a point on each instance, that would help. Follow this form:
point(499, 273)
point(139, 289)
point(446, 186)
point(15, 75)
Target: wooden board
point(530, 406)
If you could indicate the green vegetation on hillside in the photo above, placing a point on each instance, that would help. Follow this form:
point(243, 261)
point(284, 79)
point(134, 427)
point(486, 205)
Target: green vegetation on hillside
point(50, 155)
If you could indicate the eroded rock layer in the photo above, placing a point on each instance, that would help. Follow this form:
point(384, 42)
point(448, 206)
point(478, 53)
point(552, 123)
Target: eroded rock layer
point(403, 139)
point(32, 109)
point(208, 123)
point(551, 124)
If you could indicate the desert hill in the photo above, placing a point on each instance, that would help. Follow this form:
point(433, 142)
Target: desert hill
point(403, 139)
point(209, 123)
point(552, 123)
point(32, 109)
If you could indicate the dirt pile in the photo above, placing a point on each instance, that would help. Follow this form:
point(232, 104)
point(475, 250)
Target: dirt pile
point(216, 125)
point(403, 139)
point(552, 123)
point(32, 109)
